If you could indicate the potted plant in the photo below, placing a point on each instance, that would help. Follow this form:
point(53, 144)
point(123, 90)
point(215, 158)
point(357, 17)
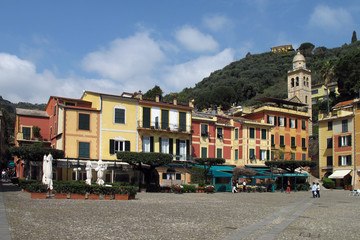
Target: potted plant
point(209, 189)
point(178, 188)
point(36, 132)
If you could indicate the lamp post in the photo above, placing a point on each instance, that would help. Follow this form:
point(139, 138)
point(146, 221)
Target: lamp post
point(77, 172)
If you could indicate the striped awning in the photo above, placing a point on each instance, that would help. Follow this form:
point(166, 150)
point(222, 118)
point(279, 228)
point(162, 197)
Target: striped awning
point(339, 174)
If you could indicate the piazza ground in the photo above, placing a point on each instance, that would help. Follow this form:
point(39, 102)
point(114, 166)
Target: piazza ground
point(185, 216)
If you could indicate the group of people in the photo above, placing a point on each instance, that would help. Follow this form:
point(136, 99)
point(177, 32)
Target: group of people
point(316, 190)
point(236, 185)
point(6, 174)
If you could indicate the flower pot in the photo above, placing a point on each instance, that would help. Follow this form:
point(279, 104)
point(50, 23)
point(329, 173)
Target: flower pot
point(93, 196)
point(61, 196)
point(108, 197)
point(38, 195)
point(121, 197)
point(77, 196)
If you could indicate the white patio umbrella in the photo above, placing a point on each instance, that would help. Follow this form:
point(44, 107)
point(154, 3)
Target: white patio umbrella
point(88, 172)
point(100, 172)
point(47, 171)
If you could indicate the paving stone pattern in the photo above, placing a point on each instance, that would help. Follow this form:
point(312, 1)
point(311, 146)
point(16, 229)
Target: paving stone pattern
point(186, 216)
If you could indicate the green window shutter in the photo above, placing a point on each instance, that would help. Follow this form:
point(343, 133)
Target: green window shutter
point(160, 144)
point(285, 121)
point(177, 148)
point(252, 132)
point(339, 158)
point(339, 141)
point(303, 124)
point(203, 152)
point(26, 132)
point(151, 144)
point(219, 153)
point(182, 121)
point(272, 139)
point(282, 141)
point(171, 146)
point(84, 121)
point(263, 133)
point(112, 147)
point(236, 133)
point(348, 160)
point(252, 153)
point(267, 119)
point(84, 149)
point(236, 154)
point(349, 140)
point(146, 117)
point(296, 123)
point(293, 142)
point(275, 120)
point(164, 119)
point(303, 143)
point(127, 146)
point(119, 115)
point(188, 147)
point(267, 154)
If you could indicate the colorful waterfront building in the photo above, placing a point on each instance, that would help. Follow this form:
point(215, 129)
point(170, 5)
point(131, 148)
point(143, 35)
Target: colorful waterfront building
point(74, 129)
point(290, 132)
point(31, 126)
point(166, 127)
point(338, 149)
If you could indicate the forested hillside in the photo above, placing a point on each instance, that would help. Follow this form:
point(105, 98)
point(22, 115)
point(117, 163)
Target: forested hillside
point(241, 82)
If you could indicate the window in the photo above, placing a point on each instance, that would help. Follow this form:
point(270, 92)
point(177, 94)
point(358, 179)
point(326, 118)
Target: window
point(281, 122)
point(219, 133)
point(303, 124)
point(164, 119)
point(26, 132)
point(119, 115)
point(204, 130)
point(282, 155)
point(315, 91)
point(203, 152)
point(293, 142)
point(178, 176)
point(84, 121)
point(293, 123)
point(182, 121)
point(344, 141)
point(303, 156)
point(345, 160)
point(271, 119)
point(236, 154)
point(303, 143)
point(297, 81)
point(236, 133)
point(344, 124)
point(252, 132)
point(329, 161)
point(292, 80)
point(293, 156)
point(219, 153)
point(182, 149)
point(282, 143)
point(263, 134)
point(119, 146)
point(329, 142)
point(252, 153)
point(84, 150)
point(272, 140)
point(146, 117)
point(329, 125)
point(164, 145)
point(263, 155)
point(146, 144)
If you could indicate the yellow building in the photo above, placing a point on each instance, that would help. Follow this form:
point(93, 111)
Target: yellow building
point(320, 92)
point(282, 49)
point(339, 152)
point(117, 131)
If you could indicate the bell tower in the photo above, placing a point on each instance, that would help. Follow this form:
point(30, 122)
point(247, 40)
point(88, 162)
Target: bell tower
point(299, 84)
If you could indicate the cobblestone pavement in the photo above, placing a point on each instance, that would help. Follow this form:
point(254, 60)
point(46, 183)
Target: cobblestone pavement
point(186, 216)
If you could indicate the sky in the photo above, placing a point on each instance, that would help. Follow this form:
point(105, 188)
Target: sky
point(61, 48)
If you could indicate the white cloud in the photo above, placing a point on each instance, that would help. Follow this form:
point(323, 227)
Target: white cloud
point(326, 18)
point(124, 59)
point(216, 22)
point(194, 40)
point(187, 74)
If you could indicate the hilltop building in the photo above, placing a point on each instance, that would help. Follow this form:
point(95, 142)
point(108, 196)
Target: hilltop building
point(282, 49)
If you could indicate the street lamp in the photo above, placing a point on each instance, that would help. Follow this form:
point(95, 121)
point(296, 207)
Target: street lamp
point(77, 171)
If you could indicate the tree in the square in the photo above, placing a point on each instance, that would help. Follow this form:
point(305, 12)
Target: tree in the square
point(208, 163)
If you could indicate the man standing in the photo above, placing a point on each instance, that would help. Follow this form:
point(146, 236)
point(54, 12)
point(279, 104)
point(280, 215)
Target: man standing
point(313, 189)
point(318, 190)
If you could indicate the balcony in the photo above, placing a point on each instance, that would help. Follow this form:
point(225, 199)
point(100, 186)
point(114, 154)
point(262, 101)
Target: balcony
point(169, 127)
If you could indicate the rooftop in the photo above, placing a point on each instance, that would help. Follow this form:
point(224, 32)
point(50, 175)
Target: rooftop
point(31, 112)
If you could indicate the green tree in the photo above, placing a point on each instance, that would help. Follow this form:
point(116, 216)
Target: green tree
point(354, 37)
point(197, 176)
point(34, 152)
point(347, 72)
point(208, 163)
point(146, 163)
point(306, 48)
point(291, 165)
point(151, 94)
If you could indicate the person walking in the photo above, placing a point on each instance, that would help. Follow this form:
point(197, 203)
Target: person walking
point(244, 185)
point(313, 189)
point(234, 185)
point(288, 187)
point(318, 190)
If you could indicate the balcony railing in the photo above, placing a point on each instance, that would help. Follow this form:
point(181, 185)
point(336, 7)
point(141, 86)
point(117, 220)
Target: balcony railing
point(164, 126)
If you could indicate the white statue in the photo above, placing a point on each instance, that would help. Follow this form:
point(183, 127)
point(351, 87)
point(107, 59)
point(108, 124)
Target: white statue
point(88, 172)
point(100, 172)
point(47, 171)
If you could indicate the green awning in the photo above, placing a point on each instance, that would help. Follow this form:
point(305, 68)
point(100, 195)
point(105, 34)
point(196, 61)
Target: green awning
point(221, 174)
